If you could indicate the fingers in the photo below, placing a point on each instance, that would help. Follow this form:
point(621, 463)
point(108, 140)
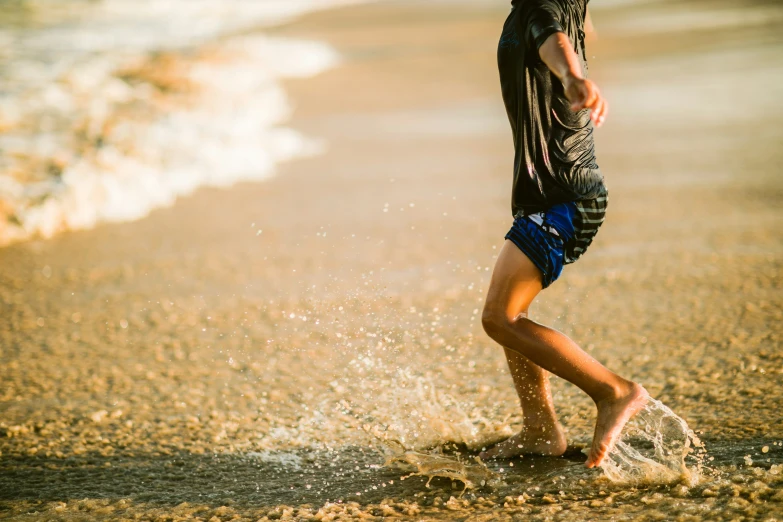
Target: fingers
point(593, 96)
point(597, 103)
point(584, 94)
point(600, 111)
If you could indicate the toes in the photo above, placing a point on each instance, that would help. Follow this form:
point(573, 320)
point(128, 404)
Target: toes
point(597, 461)
point(597, 454)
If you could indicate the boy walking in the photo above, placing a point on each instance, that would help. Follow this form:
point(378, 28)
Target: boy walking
point(558, 202)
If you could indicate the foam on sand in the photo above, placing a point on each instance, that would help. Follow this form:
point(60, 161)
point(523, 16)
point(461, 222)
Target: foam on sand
point(112, 109)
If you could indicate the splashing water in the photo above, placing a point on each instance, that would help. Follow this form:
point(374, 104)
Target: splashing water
point(416, 415)
point(438, 465)
point(417, 420)
point(653, 448)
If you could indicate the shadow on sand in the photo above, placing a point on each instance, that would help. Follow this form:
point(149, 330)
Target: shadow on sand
point(252, 479)
point(274, 478)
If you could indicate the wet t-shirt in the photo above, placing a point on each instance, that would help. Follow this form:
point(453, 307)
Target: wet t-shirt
point(554, 158)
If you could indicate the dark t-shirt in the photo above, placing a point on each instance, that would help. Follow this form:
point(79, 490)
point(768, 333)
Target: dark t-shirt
point(554, 152)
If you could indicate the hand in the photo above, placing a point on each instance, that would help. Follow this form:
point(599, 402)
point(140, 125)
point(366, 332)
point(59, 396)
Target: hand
point(584, 94)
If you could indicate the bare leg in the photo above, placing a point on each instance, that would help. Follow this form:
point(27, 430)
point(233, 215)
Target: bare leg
point(541, 434)
point(515, 283)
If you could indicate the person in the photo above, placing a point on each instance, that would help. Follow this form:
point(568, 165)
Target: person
point(558, 202)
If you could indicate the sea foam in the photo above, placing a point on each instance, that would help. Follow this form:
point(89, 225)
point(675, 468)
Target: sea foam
point(115, 108)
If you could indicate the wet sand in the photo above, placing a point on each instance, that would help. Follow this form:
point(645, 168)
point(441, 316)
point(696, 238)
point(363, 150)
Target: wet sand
point(227, 356)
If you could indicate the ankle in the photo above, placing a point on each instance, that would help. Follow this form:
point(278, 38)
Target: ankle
point(615, 391)
point(541, 424)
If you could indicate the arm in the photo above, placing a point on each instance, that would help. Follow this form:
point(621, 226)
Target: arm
point(558, 54)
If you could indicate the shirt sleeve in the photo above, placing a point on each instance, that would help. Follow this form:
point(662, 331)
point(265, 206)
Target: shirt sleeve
point(541, 20)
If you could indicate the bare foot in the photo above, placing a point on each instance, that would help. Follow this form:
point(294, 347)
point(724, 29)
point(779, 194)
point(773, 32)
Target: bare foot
point(549, 441)
point(613, 414)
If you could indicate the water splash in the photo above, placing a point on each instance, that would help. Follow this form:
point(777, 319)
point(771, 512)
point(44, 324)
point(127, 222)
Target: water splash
point(416, 420)
point(282, 459)
point(655, 447)
point(436, 464)
point(415, 414)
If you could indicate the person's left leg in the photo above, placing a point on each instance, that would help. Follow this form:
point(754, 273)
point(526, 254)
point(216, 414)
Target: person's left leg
point(541, 433)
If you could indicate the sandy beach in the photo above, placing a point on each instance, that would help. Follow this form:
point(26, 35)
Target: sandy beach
point(242, 354)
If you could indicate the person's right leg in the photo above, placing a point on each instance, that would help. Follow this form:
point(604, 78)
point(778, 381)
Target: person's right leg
point(617, 399)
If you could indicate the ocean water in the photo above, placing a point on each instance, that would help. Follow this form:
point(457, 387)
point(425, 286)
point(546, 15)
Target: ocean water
point(111, 109)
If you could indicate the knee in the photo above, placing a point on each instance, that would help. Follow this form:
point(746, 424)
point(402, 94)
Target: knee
point(495, 323)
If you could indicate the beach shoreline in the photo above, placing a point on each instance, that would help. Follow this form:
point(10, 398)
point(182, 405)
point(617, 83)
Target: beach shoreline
point(224, 356)
point(111, 110)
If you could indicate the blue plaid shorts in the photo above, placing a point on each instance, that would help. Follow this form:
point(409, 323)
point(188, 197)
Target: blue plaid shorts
point(543, 237)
